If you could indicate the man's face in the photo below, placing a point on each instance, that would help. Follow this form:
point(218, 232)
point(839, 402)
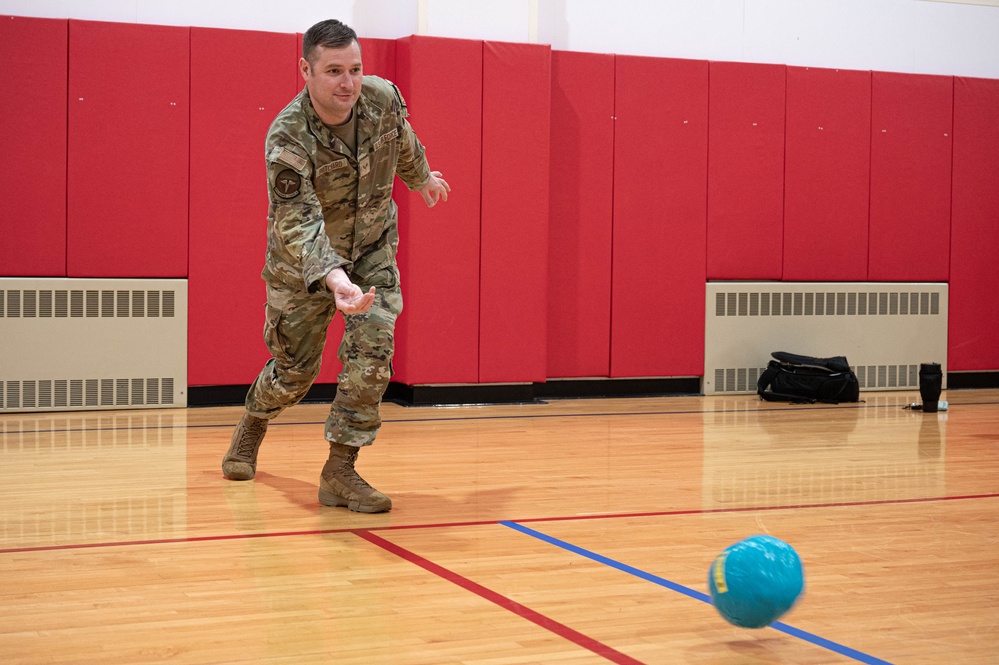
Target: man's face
point(334, 81)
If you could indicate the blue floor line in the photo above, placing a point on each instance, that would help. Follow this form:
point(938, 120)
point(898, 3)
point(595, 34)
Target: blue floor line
point(697, 595)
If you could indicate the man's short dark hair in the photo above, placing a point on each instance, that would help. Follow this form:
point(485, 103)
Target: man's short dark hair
point(330, 33)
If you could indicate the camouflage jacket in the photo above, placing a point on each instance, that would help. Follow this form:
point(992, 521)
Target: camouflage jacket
point(328, 208)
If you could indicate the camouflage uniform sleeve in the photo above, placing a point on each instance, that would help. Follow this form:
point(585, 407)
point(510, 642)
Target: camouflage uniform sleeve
point(300, 252)
point(412, 167)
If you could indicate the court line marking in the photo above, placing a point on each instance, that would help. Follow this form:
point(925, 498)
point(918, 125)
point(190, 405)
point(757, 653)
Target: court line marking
point(533, 416)
point(687, 591)
point(539, 619)
point(451, 525)
point(502, 601)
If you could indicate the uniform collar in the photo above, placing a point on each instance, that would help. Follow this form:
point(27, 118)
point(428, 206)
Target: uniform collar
point(362, 110)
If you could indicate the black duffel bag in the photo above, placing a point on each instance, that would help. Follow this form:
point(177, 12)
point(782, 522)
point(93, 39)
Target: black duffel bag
point(806, 380)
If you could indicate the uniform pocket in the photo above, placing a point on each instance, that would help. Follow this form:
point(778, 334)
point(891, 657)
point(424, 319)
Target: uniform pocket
point(276, 342)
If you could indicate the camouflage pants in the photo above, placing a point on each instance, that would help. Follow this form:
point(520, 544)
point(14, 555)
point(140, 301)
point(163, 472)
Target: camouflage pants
point(295, 332)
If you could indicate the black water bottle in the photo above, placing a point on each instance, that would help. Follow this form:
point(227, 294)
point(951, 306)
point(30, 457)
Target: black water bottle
point(930, 385)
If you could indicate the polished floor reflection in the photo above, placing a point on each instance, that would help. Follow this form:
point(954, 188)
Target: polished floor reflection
point(575, 531)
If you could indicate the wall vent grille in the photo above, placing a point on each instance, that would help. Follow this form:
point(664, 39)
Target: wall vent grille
point(908, 303)
point(89, 303)
point(870, 377)
point(92, 344)
point(884, 329)
point(92, 393)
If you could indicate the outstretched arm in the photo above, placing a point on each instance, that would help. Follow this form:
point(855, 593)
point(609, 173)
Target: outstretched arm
point(349, 297)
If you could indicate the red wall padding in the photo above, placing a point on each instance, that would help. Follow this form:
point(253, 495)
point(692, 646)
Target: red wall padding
point(228, 215)
point(745, 171)
point(128, 150)
point(378, 56)
point(300, 82)
point(879, 183)
point(581, 213)
point(33, 135)
point(660, 196)
point(911, 146)
point(973, 342)
point(516, 112)
point(827, 174)
point(438, 334)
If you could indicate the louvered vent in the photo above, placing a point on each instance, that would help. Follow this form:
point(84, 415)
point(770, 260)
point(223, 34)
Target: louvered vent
point(92, 344)
point(77, 303)
point(884, 329)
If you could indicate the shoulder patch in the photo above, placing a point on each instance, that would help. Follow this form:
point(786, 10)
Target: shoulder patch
point(288, 158)
point(398, 95)
point(287, 184)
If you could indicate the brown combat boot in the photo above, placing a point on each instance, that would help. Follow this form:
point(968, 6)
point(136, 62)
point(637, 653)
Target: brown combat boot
point(339, 484)
point(240, 463)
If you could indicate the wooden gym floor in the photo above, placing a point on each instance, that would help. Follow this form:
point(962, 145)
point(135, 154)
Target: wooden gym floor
point(577, 531)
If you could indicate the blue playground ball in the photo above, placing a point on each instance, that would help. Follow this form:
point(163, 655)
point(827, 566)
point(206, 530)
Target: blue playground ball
point(756, 581)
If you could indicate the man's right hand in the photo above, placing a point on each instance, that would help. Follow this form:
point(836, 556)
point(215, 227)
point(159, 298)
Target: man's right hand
point(349, 297)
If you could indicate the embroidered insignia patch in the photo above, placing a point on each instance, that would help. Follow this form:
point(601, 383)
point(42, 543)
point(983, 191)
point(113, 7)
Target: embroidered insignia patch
point(365, 166)
point(287, 184)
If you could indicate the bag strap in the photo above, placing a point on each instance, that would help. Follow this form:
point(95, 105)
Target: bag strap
point(832, 364)
point(766, 378)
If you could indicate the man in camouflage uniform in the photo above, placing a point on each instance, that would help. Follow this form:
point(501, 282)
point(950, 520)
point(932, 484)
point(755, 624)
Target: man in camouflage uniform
point(332, 155)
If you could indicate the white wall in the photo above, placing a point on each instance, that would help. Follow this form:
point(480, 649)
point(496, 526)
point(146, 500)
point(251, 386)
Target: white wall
point(888, 35)
point(371, 18)
point(922, 36)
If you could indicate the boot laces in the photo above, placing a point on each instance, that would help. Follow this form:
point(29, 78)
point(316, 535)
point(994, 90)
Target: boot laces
point(347, 470)
point(250, 437)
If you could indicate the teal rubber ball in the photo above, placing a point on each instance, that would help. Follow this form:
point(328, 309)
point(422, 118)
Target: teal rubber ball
point(756, 581)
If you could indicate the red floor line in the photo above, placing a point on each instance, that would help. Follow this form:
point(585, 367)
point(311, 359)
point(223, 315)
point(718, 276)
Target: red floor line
point(506, 603)
point(694, 511)
point(451, 525)
point(748, 509)
point(175, 541)
point(534, 416)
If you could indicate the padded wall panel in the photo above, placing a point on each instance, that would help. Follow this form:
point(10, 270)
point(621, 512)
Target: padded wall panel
point(33, 133)
point(827, 174)
point(516, 112)
point(300, 82)
point(127, 197)
point(911, 118)
point(438, 334)
point(228, 233)
point(660, 201)
point(378, 56)
point(581, 213)
point(745, 171)
point(973, 342)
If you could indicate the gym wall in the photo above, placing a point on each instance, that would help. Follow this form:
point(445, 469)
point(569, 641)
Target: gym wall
point(593, 196)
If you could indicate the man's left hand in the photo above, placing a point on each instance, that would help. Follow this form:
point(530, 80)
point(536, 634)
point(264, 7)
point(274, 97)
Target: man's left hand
point(435, 189)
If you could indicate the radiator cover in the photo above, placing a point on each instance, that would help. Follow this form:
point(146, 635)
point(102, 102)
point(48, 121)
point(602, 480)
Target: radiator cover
point(80, 344)
point(884, 329)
